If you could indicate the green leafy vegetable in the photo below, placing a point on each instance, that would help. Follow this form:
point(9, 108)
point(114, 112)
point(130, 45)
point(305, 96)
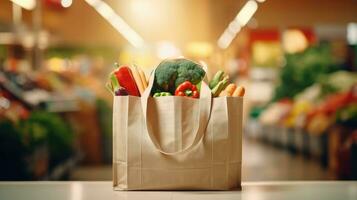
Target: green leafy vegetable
point(347, 115)
point(59, 135)
point(189, 71)
point(339, 81)
point(171, 73)
point(303, 69)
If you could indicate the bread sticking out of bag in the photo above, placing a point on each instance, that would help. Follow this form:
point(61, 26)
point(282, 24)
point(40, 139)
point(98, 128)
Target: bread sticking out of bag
point(137, 79)
point(142, 77)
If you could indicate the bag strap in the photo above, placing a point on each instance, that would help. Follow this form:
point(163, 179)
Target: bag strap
point(205, 104)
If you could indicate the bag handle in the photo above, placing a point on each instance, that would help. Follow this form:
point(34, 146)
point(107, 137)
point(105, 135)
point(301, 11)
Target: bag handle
point(205, 103)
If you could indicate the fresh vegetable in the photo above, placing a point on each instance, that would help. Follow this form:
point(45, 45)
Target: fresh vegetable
point(216, 78)
point(303, 70)
point(347, 115)
point(59, 135)
point(187, 89)
point(121, 92)
point(126, 80)
point(109, 87)
point(171, 73)
point(225, 81)
point(217, 89)
point(339, 81)
point(162, 94)
point(114, 87)
point(132, 79)
point(137, 79)
point(229, 90)
point(114, 82)
point(239, 92)
point(220, 86)
point(319, 123)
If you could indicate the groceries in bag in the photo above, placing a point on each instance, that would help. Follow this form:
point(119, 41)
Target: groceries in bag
point(126, 80)
point(220, 86)
point(176, 136)
point(187, 89)
point(173, 77)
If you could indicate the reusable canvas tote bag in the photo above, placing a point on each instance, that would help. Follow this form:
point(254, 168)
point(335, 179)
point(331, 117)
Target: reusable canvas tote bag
point(177, 143)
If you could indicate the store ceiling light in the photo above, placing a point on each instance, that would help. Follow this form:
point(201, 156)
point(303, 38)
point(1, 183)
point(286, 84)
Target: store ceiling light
point(234, 27)
point(242, 18)
point(66, 3)
point(117, 22)
point(27, 4)
point(247, 12)
point(352, 33)
point(225, 40)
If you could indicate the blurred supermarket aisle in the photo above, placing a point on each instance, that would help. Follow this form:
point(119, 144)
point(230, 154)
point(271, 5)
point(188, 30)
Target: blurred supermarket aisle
point(261, 162)
point(265, 162)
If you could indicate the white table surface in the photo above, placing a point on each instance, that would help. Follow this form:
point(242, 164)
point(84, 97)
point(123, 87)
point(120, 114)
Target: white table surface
point(250, 191)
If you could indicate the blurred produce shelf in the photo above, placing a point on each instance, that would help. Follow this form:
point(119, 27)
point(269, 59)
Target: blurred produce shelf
point(63, 170)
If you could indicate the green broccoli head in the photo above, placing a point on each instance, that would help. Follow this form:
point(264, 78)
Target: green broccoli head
point(165, 75)
point(171, 73)
point(189, 71)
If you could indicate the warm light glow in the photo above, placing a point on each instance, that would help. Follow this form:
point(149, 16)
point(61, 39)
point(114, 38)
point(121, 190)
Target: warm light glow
point(352, 33)
point(117, 22)
point(242, 18)
point(199, 49)
point(142, 7)
point(234, 27)
point(144, 57)
point(56, 64)
point(225, 40)
point(247, 12)
point(26, 4)
point(261, 1)
point(66, 3)
point(167, 49)
point(294, 41)
point(266, 53)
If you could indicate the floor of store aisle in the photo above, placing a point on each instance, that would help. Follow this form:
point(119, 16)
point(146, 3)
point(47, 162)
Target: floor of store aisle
point(261, 162)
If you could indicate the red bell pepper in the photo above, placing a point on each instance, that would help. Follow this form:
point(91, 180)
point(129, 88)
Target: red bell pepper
point(126, 80)
point(187, 89)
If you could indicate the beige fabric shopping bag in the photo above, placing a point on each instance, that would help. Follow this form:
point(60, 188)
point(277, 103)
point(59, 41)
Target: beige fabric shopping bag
point(177, 143)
